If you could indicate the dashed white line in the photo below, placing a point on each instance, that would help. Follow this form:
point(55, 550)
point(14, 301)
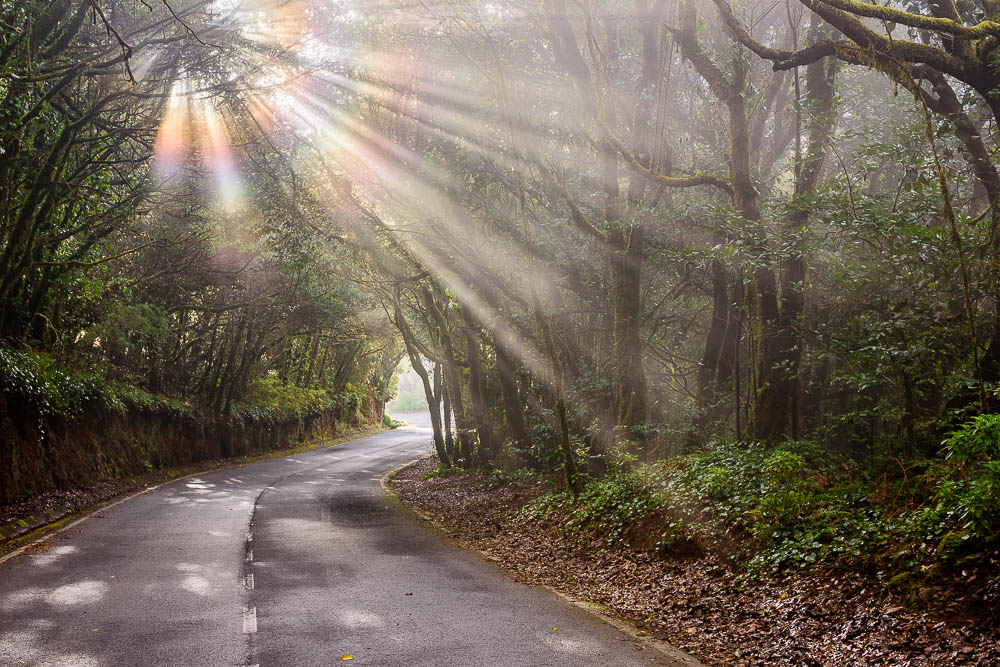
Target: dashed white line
point(249, 555)
point(250, 537)
point(248, 581)
point(249, 619)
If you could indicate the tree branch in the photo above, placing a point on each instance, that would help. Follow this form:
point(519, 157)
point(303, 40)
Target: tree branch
point(663, 179)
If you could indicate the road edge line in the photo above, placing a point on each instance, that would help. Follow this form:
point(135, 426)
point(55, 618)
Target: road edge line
point(661, 646)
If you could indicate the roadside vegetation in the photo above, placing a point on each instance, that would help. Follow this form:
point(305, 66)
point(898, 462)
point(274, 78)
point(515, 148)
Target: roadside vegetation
point(927, 533)
point(729, 271)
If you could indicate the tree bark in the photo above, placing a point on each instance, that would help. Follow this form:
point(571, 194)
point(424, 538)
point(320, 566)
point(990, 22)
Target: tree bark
point(477, 390)
point(432, 404)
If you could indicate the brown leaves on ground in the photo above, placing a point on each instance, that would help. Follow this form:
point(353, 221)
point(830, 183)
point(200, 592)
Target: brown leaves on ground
point(808, 617)
point(72, 500)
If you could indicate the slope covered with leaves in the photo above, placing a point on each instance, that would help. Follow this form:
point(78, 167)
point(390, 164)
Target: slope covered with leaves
point(697, 592)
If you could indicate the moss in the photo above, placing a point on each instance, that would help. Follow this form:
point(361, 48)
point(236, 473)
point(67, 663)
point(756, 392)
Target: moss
point(902, 579)
point(111, 446)
point(951, 544)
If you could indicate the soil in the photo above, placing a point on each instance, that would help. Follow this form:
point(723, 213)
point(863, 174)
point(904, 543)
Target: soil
point(702, 603)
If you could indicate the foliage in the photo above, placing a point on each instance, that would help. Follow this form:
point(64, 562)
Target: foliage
point(542, 452)
point(410, 402)
point(440, 471)
point(53, 390)
point(612, 504)
point(966, 492)
point(56, 391)
point(59, 392)
point(272, 400)
point(796, 505)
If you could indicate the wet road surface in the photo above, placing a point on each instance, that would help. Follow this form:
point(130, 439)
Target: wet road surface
point(294, 561)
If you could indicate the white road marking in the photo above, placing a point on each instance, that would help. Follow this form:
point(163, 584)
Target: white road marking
point(249, 619)
point(248, 582)
point(249, 555)
point(250, 537)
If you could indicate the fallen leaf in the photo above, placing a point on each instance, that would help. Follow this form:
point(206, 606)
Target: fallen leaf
point(555, 629)
point(346, 656)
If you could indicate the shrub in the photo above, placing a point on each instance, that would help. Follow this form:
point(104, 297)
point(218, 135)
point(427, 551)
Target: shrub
point(56, 391)
point(543, 452)
point(967, 488)
point(609, 506)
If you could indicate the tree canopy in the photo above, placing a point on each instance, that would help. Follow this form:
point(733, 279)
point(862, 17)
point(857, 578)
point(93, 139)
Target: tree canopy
point(591, 228)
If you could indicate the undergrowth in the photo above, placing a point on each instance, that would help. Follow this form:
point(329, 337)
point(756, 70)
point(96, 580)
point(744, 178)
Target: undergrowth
point(271, 400)
point(58, 391)
point(794, 504)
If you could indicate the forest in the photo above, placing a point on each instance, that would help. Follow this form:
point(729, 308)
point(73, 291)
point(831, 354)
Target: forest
point(731, 263)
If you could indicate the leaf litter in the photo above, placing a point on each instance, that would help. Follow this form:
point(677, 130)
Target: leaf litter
point(701, 603)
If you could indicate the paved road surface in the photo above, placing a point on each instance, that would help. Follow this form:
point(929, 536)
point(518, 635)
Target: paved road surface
point(295, 561)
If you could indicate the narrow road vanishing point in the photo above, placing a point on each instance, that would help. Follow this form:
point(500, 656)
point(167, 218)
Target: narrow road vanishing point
point(294, 561)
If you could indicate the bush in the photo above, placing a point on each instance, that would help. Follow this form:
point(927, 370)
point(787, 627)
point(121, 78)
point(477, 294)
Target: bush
point(56, 391)
point(609, 506)
point(543, 453)
point(794, 504)
point(53, 391)
point(271, 400)
point(967, 488)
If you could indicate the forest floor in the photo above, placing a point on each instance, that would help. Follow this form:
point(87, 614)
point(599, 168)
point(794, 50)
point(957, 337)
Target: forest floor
point(21, 522)
point(703, 604)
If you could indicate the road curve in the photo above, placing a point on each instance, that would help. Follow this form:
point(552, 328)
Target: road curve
point(294, 561)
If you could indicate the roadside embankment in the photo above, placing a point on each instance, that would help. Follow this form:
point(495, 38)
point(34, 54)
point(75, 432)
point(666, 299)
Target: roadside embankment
point(699, 600)
point(71, 439)
point(42, 452)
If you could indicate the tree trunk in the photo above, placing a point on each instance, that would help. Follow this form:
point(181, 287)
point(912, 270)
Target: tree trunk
point(632, 389)
point(477, 390)
point(781, 396)
point(462, 421)
point(432, 404)
point(448, 435)
point(716, 367)
point(512, 408)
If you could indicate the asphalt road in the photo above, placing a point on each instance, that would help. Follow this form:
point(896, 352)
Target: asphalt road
point(294, 561)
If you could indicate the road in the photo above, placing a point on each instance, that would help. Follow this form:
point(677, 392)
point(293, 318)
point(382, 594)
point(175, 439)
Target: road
point(293, 561)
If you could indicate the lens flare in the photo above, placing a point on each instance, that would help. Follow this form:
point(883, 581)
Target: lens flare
point(172, 142)
point(219, 158)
